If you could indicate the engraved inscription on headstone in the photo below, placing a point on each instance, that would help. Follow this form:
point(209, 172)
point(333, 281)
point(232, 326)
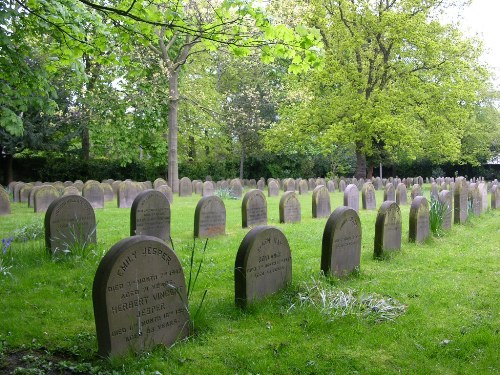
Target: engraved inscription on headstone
point(254, 209)
point(419, 220)
point(139, 297)
point(210, 217)
point(150, 215)
point(387, 229)
point(289, 208)
point(321, 206)
point(263, 265)
point(341, 246)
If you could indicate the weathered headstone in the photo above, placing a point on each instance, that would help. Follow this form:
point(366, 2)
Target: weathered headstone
point(342, 185)
point(198, 188)
point(4, 202)
point(289, 184)
point(289, 208)
point(401, 194)
point(261, 185)
point(263, 265)
point(483, 190)
point(303, 187)
point(330, 185)
point(185, 187)
point(127, 192)
point(419, 219)
point(69, 223)
point(321, 206)
point(16, 191)
point(44, 196)
point(387, 229)
point(24, 193)
point(159, 182)
point(150, 215)
point(351, 197)
point(273, 188)
point(107, 189)
point(389, 192)
point(495, 197)
point(368, 196)
point(341, 245)
point(311, 183)
point(71, 190)
point(208, 189)
point(210, 217)
point(254, 209)
point(416, 191)
point(236, 188)
point(434, 191)
point(166, 191)
point(139, 297)
point(92, 191)
point(475, 199)
point(460, 201)
point(446, 198)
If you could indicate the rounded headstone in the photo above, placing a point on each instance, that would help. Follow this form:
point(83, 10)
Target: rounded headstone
point(44, 196)
point(289, 208)
point(388, 226)
point(254, 209)
point(210, 217)
point(166, 191)
point(351, 197)
point(419, 220)
point(4, 202)
point(150, 215)
point(368, 196)
point(321, 206)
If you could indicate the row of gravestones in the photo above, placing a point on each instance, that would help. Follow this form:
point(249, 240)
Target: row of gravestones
point(139, 287)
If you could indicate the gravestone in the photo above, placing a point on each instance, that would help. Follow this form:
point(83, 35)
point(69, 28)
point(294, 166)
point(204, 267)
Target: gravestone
point(208, 189)
point(351, 197)
point(166, 191)
point(303, 187)
point(210, 217)
point(69, 222)
point(341, 245)
point(108, 192)
point(159, 182)
point(495, 197)
point(416, 191)
point(445, 198)
point(475, 199)
point(289, 184)
point(273, 189)
point(401, 194)
point(389, 192)
point(263, 265)
point(419, 220)
point(261, 185)
point(434, 191)
point(24, 193)
point(150, 215)
point(92, 191)
point(311, 183)
point(388, 227)
point(44, 196)
point(483, 190)
point(368, 196)
point(116, 185)
point(254, 209)
point(330, 185)
point(198, 188)
point(139, 297)
point(236, 188)
point(71, 190)
point(321, 202)
point(79, 185)
point(342, 186)
point(289, 208)
point(127, 192)
point(185, 187)
point(4, 202)
point(460, 201)
point(16, 191)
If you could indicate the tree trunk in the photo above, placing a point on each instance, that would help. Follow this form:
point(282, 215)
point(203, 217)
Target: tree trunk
point(173, 130)
point(85, 142)
point(8, 172)
point(360, 162)
point(242, 162)
point(369, 174)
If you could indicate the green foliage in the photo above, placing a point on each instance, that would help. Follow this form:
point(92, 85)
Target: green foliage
point(437, 211)
point(225, 194)
point(31, 231)
point(76, 244)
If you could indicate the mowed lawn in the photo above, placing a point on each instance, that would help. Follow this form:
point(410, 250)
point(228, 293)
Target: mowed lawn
point(445, 296)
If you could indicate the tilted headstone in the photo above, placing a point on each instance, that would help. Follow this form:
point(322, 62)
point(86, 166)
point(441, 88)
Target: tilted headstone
point(460, 201)
point(389, 192)
point(185, 187)
point(4, 202)
point(236, 188)
point(388, 228)
point(446, 198)
point(150, 215)
point(44, 197)
point(368, 196)
point(92, 191)
point(289, 208)
point(341, 245)
point(210, 217)
point(321, 206)
point(419, 220)
point(495, 197)
point(351, 197)
point(263, 265)
point(69, 224)
point(166, 191)
point(401, 194)
point(273, 189)
point(139, 297)
point(254, 209)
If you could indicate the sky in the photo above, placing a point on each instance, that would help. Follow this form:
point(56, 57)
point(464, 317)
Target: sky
point(482, 18)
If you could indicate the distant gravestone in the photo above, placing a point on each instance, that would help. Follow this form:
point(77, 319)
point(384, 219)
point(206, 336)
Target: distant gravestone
point(330, 185)
point(139, 297)
point(388, 227)
point(261, 185)
point(150, 215)
point(289, 208)
point(416, 191)
point(419, 220)
point(289, 184)
point(92, 191)
point(24, 193)
point(475, 199)
point(185, 187)
point(401, 194)
point(254, 209)
point(303, 187)
point(341, 245)
point(273, 189)
point(342, 185)
point(208, 189)
point(31, 199)
point(434, 191)
point(483, 190)
point(69, 222)
point(159, 182)
point(368, 196)
point(127, 192)
point(495, 197)
point(351, 197)
point(460, 202)
point(71, 190)
point(198, 188)
point(389, 192)
point(4, 202)
point(108, 192)
point(446, 198)
point(44, 196)
point(236, 188)
point(311, 183)
point(166, 191)
point(210, 217)
point(321, 206)
point(263, 265)
point(16, 191)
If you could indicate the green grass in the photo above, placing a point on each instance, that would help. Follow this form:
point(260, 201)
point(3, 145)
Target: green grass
point(449, 287)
